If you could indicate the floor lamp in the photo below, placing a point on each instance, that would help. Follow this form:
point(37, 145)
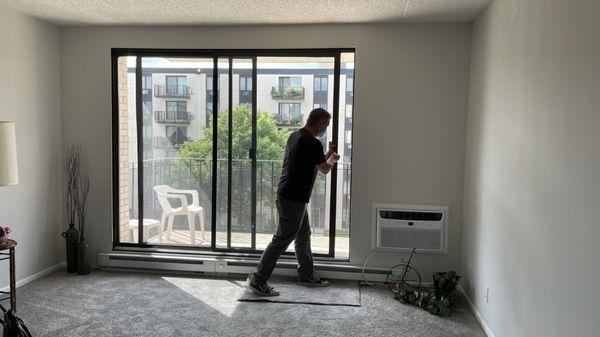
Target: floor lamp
point(8, 154)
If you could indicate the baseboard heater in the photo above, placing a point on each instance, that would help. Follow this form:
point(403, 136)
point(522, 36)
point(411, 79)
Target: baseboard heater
point(219, 265)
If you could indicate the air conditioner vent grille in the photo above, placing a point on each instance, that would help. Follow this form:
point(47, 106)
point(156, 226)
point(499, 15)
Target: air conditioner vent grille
point(413, 216)
point(422, 239)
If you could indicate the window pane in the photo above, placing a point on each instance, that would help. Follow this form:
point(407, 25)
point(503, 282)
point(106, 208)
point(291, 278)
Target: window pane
point(179, 169)
point(128, 147)
point(241, 165)
point(222, 151)
point(282, 111)
point(345, 151)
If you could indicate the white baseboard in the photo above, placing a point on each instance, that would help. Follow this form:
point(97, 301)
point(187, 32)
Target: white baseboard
point(36, 276)
point(482, 322)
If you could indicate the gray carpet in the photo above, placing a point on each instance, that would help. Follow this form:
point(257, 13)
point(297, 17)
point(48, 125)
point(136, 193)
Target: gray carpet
point(133, 304)
point(344, 293)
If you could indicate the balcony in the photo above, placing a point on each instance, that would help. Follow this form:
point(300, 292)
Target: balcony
point(283, 119)
point(168, 143)
point(196, 174)
point(290, 93)
point(172, 117)
point(172, 91)
point(246, 97)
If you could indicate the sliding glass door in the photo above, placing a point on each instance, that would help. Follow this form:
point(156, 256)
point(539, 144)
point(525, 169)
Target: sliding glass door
point(200, 139)
point(236, 169)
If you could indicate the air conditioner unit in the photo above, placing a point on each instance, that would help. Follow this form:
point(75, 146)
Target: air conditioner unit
point(404, 227)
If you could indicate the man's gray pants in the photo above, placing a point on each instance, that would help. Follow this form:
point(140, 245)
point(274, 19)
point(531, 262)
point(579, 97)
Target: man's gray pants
point(293, 226)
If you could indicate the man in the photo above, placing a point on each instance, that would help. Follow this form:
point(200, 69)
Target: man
point(303, 158)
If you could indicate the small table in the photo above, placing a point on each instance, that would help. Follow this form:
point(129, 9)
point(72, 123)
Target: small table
point(10, 246)
point(148, 223)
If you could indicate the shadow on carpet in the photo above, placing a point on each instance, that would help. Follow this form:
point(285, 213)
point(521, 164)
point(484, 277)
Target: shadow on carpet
point(339, 293)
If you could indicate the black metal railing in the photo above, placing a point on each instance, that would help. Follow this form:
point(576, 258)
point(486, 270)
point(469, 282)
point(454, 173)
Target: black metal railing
point(287, 92)
point(172, 117)
point(196, 174)
point(181, 91)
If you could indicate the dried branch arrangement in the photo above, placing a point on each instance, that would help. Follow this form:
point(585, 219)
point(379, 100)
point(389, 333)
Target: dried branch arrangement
point(78, 189)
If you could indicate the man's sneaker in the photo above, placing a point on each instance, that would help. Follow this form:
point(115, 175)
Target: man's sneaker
point(314, 282)
point(262, 289)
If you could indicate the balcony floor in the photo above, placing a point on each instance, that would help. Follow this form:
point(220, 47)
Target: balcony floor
point(320, 243)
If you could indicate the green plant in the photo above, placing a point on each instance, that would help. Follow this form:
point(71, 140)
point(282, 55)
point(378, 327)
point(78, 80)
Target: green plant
point(270, 148)
point(293, 92)
point(437, 301)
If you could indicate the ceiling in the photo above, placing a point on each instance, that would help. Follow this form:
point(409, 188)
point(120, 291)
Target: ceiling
point(238, 12)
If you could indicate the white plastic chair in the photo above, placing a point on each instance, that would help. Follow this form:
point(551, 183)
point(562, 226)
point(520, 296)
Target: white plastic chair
point(164, 193)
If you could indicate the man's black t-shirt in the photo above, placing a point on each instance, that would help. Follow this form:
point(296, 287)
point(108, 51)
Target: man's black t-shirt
point(302, 152)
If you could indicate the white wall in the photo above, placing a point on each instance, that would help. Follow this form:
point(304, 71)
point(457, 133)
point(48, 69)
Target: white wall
point(411, 103)
point(30, 96)
point(532, 186)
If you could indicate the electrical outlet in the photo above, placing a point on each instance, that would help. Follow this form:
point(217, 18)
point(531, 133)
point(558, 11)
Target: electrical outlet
point(487, 295)
point(220, 267)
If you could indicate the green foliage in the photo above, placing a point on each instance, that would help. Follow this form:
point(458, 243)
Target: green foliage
point(270, 152)
point(437, 301)
point(270, 140)
point(292, 92)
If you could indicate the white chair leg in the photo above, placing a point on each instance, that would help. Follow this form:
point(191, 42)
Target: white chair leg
point(201, 216)
point(192, 225)
point(170, 219)
point(163, 221)
point(160, 233)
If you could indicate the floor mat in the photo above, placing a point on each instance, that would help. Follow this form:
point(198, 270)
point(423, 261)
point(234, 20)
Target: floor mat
point(342, 293)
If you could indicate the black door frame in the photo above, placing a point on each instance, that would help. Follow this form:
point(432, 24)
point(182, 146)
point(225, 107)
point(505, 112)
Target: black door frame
point(230, 54)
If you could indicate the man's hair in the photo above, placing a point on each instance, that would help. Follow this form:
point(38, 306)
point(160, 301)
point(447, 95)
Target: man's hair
point(317, 115)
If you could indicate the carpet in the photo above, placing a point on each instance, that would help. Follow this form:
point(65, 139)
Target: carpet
point(125, 304)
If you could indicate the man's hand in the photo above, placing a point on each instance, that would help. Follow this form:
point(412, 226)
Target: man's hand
point(330, 150)
point(333, 158)
point(327, 165)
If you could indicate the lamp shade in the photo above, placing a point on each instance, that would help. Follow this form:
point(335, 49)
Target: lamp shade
point(8, 154)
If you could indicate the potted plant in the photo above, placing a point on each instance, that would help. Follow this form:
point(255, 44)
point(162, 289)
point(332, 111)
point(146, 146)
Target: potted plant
point(438, 301)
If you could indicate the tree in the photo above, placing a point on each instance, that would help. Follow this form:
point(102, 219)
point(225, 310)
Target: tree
point(270, 152)
point(270, 140)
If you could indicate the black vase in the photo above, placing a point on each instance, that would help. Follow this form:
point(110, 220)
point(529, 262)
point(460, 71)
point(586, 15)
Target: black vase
point(83, 263)
point(71, 235)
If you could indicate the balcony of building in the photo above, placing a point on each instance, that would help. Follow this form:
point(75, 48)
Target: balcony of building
point(172, 91)
point(287, 93)
point(172, 117)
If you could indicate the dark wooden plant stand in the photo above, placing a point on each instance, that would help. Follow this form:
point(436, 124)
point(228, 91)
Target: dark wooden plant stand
point(10, 246)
